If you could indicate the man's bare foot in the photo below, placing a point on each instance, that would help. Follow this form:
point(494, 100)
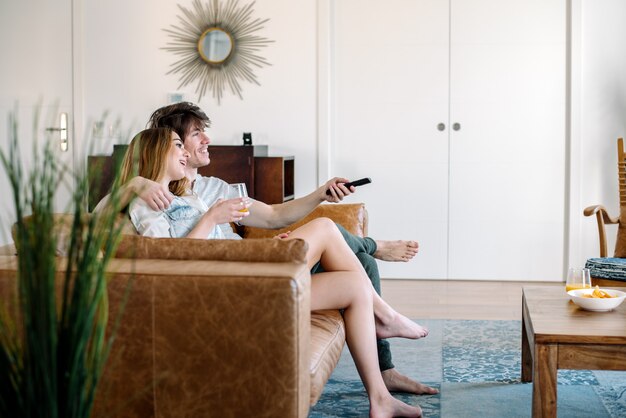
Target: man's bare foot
point(396, 250)
point(399, 326)
point(397, 382)
point(392, 407)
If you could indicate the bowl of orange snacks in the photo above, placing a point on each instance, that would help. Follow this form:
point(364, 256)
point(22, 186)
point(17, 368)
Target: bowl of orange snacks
point(596, 299)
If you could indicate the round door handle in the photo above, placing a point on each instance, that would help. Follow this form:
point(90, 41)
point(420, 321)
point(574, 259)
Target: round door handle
point(441, 126)
point(456, 126)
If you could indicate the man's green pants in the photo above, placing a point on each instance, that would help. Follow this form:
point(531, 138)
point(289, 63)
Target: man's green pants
point(364, 249)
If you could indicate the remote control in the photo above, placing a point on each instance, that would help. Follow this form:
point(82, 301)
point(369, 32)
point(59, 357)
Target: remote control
point(359, 182)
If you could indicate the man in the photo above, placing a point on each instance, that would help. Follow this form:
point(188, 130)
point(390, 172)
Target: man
point(190, 122)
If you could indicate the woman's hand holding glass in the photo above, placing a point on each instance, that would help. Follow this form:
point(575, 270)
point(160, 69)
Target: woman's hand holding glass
point(239, 193)
point(233, 209)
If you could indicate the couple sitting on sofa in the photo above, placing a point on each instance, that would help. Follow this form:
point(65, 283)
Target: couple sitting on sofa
point(157, 162)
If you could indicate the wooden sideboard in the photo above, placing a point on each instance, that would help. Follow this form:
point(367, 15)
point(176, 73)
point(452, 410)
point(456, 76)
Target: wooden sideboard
point(269, 179)
point(274, 179)
point(234, 164)
point(101, 171)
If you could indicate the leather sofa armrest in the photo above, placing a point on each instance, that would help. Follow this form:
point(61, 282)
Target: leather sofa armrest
point(352, 216)
point(204, 338)
point(235, 335)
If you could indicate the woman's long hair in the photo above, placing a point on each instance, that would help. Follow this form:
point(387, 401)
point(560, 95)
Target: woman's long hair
point(146, 156)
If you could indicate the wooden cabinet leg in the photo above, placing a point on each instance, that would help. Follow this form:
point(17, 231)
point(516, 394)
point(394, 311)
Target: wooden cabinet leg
point(544, 384)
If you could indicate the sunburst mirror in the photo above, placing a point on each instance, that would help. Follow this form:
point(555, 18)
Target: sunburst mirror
point(217, 46)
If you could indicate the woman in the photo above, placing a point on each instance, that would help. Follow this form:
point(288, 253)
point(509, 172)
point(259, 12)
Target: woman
point(159, 155)
point(187, 216)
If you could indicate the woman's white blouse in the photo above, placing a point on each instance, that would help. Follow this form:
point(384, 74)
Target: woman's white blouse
point(176, 221)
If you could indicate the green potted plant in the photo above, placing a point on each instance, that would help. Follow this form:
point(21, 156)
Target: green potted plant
point(53, 334)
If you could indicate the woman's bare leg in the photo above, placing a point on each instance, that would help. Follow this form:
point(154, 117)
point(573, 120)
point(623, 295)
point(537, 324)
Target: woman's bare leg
point(345, 285)
point(327, 246)
point(390, 323)
point(348, 290)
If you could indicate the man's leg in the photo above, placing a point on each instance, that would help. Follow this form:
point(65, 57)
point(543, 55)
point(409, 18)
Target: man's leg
point(382, 250)
point(358, 244)
point(394, 380)
point(371, 268)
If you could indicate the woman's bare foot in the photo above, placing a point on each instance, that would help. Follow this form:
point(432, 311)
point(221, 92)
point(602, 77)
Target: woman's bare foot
point(392, 407)
point(397, 382)
point(396, 250)
point(399, 326)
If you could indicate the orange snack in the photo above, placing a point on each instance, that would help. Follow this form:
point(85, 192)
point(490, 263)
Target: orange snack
point(597, 293)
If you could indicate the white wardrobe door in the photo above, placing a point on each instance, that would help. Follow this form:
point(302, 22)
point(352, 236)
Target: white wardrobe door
point(507, 161)
point(390, 91)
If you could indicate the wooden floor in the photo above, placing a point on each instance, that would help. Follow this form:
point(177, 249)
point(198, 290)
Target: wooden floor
point(452, 299)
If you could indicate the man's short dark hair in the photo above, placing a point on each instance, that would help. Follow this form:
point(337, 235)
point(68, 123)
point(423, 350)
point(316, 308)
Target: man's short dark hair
point(181, 117)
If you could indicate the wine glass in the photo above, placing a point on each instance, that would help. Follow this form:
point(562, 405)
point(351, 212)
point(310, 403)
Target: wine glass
point(239, 190)
point(578, 278)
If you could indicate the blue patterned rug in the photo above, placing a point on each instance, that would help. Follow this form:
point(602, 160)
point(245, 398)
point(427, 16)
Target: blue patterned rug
point(476, 367)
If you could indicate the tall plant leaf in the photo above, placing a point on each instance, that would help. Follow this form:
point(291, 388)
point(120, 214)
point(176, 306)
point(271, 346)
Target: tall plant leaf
point(53, 345)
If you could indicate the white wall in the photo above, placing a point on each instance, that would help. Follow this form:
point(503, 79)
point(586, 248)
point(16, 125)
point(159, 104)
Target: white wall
point(602, 107)
point(124, 72)
point(35, 79)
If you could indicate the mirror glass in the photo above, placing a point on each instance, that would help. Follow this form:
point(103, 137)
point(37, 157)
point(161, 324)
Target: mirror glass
point(215, 45)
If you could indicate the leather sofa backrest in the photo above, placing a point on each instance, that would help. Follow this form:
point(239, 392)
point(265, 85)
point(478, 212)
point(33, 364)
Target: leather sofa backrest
point(253, 250)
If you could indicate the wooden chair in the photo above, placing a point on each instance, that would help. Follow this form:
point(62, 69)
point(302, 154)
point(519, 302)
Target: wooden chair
point(611, 271)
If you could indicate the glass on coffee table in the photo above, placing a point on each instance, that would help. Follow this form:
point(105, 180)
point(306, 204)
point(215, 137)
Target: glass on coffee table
point(578, 278)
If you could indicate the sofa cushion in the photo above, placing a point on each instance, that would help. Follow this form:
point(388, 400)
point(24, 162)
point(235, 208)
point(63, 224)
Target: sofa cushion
point(327, 338)
point(253, 250)
point(607, 268)
point(351, 216)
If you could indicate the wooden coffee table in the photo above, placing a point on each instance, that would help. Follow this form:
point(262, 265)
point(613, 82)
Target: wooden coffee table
point(557, 334)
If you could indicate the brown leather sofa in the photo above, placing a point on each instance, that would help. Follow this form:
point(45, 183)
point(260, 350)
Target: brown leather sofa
point(216, 328)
